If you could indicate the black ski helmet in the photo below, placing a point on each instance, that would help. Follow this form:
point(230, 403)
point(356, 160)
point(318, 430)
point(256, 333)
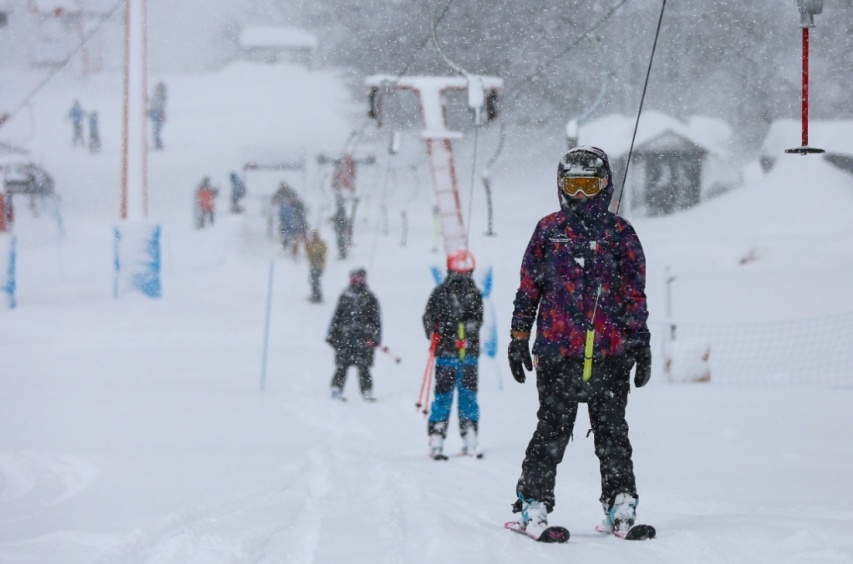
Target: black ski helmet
point(586, 161)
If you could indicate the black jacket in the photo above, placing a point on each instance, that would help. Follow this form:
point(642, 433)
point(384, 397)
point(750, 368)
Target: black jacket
point(456, 300)
point(356, 327)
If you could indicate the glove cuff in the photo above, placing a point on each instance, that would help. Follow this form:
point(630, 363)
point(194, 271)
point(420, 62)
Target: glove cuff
point(520, 335)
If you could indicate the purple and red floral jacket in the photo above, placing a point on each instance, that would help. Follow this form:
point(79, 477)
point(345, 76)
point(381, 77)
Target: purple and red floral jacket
point(567, 260)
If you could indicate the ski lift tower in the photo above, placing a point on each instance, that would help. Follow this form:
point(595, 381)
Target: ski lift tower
point(439, 140)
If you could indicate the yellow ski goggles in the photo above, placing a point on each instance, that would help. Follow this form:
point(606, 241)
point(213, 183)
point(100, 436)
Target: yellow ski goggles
point(588, 186)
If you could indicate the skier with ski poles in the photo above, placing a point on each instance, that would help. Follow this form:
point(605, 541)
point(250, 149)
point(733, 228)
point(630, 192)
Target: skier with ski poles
point(453, 317)
point(583, 283)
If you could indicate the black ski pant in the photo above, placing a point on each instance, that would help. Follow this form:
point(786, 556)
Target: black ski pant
point(365, 379)
point(561, 387)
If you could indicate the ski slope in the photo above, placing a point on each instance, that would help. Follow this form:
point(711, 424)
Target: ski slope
point(135, 430)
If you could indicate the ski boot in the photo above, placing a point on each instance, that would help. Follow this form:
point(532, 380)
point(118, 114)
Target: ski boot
point(436, 445)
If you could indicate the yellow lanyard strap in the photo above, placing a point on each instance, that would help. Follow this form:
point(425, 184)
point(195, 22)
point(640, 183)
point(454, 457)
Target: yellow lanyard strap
point(587, 355)
point(590, 341)
point(461, 341)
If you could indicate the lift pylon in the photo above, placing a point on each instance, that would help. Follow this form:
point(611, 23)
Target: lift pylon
point(439, 141)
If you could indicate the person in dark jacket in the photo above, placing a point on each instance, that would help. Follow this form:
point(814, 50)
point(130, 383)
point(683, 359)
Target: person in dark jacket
point(354, 333)
point(583, 283)
point(453, 317)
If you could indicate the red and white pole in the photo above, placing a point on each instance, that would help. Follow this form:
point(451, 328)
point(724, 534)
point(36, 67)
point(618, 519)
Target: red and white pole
point(805, 86)
point(808, 9)
point(134, 166)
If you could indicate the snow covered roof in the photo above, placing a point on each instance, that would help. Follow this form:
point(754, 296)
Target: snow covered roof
point(835, 137)
point(613, 132)
point(276, 36)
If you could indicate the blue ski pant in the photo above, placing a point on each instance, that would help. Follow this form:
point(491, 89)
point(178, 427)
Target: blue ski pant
point(454, 374)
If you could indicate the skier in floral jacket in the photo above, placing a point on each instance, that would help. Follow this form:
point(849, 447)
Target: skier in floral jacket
point(583, 283)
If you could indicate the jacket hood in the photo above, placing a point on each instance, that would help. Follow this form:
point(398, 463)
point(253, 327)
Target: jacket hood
point(593, 207)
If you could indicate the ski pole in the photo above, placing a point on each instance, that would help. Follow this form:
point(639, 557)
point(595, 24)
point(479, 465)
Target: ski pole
point(267, 328)
point(387, 351)
point(428, 388)
point(429, 365)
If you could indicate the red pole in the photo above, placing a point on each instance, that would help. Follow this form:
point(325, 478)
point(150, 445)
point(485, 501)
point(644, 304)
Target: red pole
point(430, 365)
point(805, 86)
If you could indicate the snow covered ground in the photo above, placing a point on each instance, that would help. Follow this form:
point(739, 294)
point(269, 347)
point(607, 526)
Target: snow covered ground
point(135, 430)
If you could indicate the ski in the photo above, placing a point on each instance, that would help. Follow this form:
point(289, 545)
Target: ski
point(637, 532)
point(555, 534)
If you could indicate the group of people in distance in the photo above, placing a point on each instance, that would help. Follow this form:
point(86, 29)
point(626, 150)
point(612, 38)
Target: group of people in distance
point(582, 282)
point(79, 117)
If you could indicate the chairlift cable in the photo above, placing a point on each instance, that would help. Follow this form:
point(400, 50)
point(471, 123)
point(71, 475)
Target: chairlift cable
point(640, 110)
point(499, 149)
point(357, 135)
point(452, 64)
point(471, 191)
point(468, 77)
point(28, 98)
point(527, 80)
point(601, 92)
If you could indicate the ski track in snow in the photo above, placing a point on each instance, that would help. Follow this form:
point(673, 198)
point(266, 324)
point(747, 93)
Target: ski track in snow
point(41, 478)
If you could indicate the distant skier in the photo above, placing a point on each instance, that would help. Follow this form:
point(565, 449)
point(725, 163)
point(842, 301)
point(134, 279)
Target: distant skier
point(157, 113)
point(77, 115)
point(454, 313)
point(7, 212)
point(300, 226)
point(584, 273)
point(315, 248)
point(205, 203)
point(343, 229)
point(287, 220)
point(238, 191)
point(354, 332)
point(94, 133)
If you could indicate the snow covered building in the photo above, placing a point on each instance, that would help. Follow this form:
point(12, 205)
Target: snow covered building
point(675, 164)
point(835, 137)
point(274, 44)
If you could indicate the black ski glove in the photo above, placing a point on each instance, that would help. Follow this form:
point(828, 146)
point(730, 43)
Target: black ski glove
point(643, 358)
point(519, 359)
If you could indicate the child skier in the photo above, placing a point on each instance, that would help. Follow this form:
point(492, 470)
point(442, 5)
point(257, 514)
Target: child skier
point(454, 313)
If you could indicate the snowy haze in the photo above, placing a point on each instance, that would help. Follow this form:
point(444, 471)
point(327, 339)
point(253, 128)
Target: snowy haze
point(135, 430)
